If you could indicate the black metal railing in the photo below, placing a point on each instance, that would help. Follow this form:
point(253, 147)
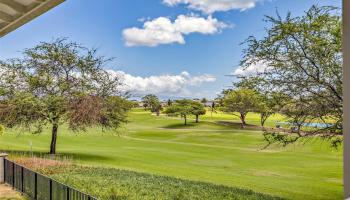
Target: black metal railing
point(38, 186)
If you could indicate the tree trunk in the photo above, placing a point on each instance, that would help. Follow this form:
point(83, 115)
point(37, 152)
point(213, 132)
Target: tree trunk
point(158, 112)
point(53, 138)
point(263, 119)
point(197, 119)
point(299, 130)
point(243, 120)
point(185, 117)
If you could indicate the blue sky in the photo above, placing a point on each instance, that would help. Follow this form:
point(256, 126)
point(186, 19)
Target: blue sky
point(173, 48)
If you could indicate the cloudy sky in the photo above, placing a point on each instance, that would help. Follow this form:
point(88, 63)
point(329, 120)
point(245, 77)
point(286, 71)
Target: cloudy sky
point(171, 48)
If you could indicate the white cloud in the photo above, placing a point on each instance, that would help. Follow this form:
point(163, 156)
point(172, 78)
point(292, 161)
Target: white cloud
point(211, 6)
point(163, 31)
point(252, 69)
point(192, 24)
point(172, 85)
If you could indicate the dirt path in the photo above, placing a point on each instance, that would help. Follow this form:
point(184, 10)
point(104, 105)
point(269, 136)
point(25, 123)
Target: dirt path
point(6, 193)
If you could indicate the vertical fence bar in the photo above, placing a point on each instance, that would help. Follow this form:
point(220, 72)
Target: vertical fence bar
point(5, 170)
point(35, 186)
point(22, 178)
point(67, 193)
point(18, 172)
point(50, 181)
point(13, 175)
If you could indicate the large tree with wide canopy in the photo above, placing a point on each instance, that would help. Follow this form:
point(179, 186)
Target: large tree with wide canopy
point(59, 82)
point(301, 57)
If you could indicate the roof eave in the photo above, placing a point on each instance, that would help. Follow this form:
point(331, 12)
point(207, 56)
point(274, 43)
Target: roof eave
point(30, 15)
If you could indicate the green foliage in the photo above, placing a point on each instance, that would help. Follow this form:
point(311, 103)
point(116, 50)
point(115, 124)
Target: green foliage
point(169, 102)
point(2, 130)
point(152, 103)
point(302, 59)
point(242, 101)
point(22, 109)
point(59, 82)
point(115, 112)
point(180, 107)
point(284, 138)
point(198, 109)
point(186, 107)
point(271, 103)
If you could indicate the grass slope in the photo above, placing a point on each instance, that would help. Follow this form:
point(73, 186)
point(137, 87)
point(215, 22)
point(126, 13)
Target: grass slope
point(212, 152)
point(123, 184)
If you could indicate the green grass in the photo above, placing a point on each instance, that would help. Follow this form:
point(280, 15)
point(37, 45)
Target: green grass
point(210, 151)
point(123, 184)
point(252, 118)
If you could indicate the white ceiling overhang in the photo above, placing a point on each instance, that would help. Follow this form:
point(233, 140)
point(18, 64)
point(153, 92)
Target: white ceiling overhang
point(15, 13)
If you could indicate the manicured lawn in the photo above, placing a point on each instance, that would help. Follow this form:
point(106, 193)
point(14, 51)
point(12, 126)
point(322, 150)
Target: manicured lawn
point(252, 118)
point(210, 151)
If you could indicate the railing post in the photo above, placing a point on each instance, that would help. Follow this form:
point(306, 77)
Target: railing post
point(22, 182)
point(5, 165)
point(35, 186)
point(13, 175)
point(67, 193)
point(50, 189)
point(2, 167)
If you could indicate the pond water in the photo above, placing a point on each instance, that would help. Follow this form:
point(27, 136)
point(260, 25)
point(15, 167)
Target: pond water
point(313, 124)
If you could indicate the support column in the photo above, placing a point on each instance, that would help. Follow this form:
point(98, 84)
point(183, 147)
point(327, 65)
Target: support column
point(346, 93)
point(2, 167)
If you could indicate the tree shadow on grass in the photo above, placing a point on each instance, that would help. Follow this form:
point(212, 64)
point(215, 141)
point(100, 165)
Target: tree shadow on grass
point(237, 125)
point(181, 126)
point(225, 125)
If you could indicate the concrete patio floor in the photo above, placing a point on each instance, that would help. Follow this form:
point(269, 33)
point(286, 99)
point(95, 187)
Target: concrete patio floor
point(6, 193)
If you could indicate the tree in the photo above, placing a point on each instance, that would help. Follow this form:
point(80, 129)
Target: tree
point(242, 101)
point(58, 82)
point(169, 102)
point(265, 106)
point(181, 107)
point(298, 114)
point(302, 59)
point(271, 103)
point(204, 101)
point(152, 103)
point(2, 130)
point(157, 107)
point(212, 108)
point(145, 105)
point(148, 100)
point(197, 109)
